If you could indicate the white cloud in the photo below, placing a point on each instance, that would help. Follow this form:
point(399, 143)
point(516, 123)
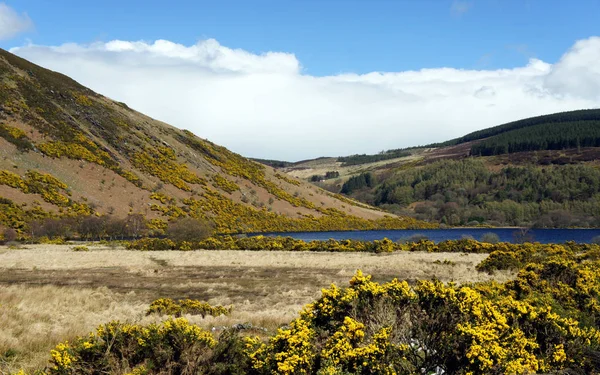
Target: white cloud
point(577, 73)
point(263, 106)
point(12, 23)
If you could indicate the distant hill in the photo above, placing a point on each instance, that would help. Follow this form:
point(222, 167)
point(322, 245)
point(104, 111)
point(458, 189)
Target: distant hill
point(66, 151)
point(542, 171)
point(579, 116)
point(273, 163)
point(557, 131)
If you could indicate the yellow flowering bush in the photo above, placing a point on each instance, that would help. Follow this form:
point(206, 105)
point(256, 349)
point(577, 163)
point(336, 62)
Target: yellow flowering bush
point(167, 306)
point(545, 320)
point(162, 163)
point(224, 184)
point(115, 347)
point(49, 187)
point(16, 136)
point(233, 217)
point(287, 179)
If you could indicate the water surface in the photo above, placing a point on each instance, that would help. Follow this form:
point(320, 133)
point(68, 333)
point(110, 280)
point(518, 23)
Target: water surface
point(437, 235)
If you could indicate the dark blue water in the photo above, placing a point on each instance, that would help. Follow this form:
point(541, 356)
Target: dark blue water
point(437, 235)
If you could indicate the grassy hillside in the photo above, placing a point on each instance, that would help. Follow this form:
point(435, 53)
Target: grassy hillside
point(67, 151)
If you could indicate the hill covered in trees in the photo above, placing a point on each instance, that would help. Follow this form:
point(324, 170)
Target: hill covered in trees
point(469, 192)
point(364, 158)
point(556, 131)
point(579, 116)
point(67, 152)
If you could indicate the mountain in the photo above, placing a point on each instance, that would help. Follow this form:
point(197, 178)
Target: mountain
point(67, 151)
point(541, 171)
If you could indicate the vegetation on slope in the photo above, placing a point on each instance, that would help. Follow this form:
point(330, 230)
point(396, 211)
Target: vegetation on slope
point(586, 115)
point(364, 158)
point(551, 136)
point(45, 113)
point(467, 192)
point(273, 163)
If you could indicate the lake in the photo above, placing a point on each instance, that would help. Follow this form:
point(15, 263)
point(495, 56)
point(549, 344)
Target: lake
point(438, 235)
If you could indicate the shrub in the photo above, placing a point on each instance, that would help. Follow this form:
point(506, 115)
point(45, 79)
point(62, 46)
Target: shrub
point(490, 237)
point(544, 321)
point(188, 229)
point(9, 235)
point(80, 248)
point(175, 344)
point(167, 306)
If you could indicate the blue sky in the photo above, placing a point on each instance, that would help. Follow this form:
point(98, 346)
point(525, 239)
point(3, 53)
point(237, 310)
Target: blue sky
point(300, 79)
point(333, 36)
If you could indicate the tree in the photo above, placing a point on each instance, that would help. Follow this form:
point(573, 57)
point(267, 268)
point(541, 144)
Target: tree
point(10, 235)
point(115, 228)
point(51, 228)
point(92, 227)
point(135, 225)
point(189, 229)
point(490, 237)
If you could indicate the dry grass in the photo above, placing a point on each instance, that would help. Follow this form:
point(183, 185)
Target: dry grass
point(51, 293)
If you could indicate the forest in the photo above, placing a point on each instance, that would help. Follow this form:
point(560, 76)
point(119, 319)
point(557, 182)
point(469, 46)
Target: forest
point(550, 136)
point(467, 192)
point(555, 118)
point(549, 132)
point(364, 158)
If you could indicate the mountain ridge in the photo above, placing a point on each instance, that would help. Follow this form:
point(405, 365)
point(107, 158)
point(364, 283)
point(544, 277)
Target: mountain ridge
point(67, 150)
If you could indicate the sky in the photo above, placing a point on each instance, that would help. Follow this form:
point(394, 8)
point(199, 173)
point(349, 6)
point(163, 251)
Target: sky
point(293, 80)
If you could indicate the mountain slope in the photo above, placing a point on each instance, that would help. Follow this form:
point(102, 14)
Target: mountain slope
point(68, 151)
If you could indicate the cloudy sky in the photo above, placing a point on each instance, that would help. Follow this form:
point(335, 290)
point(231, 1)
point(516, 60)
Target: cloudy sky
point(300, 79)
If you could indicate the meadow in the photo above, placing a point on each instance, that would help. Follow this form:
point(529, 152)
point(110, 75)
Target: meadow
point(51, 293)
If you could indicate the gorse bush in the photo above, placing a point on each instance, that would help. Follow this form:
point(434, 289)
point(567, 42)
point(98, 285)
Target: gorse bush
point(522, 252)
point(16, 136)
point(544, 321)
point(167, 306)
point(174, 347)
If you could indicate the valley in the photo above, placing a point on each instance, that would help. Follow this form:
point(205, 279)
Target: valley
point(131, 246)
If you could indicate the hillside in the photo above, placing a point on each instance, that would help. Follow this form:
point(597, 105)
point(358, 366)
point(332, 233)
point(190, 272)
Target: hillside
point(67, 151)
point(541, 171)
point(555, 120)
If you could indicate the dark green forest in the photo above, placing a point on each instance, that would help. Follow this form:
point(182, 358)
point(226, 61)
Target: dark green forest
point(549, 132)
point(327, 176)
point(556, 118)
point(273, 163)
point(364, 158)
point(466, 192)
point(551, 136)
point(362, 181)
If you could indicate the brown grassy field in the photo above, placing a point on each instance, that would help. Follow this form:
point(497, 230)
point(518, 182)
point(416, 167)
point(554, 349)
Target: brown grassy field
point(51, 293)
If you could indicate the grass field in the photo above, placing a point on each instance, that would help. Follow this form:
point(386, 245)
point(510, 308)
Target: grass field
point(50, 293)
